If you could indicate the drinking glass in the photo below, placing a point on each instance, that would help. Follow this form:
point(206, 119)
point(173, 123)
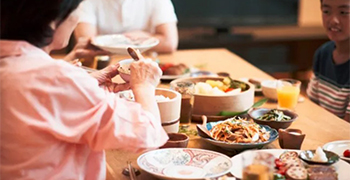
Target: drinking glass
point(257, 165)
point(288, 91)
point(186, 89)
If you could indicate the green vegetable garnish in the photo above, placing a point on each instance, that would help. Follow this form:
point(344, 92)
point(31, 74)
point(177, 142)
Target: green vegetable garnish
point(274, 115)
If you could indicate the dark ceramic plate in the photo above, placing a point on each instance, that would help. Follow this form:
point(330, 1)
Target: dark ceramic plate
point(307, 155)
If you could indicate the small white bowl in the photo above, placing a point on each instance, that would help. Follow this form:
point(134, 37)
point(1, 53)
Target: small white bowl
point(269, 89)
point(124, 70)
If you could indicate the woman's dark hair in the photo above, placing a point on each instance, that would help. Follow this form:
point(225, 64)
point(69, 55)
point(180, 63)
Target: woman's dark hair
point(29, 20)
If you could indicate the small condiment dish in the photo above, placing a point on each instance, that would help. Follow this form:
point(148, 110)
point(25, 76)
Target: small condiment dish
point(307, 156)
point(255, 113)
point(176, 140)
point(124, 69)
point(290, 138)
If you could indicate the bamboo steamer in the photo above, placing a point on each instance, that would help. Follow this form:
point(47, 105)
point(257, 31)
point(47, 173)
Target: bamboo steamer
point(212, 105)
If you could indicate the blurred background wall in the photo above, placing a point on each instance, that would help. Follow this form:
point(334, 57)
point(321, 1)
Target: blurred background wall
point(278, 36)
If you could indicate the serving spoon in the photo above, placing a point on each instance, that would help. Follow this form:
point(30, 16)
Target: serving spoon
point(202, 128)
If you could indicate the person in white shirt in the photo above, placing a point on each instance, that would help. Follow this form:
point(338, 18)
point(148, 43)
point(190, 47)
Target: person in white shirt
point(133, 18)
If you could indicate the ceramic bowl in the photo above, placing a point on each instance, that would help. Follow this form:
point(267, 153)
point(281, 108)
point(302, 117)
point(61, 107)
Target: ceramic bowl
point(269, 89)
point(124, 70)
point(118, 43)
point(169, 109)
point(255, 113)
point(212, 105)
point(176, 140)
point(184, 163)
point(307, 155)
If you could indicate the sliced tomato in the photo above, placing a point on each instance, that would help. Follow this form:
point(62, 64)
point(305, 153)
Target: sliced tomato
point(346, 153)
point(279, 163)
point(228, 89)
point(282, 170)
point(164, 67)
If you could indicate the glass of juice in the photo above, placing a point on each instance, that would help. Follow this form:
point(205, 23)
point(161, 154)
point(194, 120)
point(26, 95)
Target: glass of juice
point(186, 89)
point(257, 165)
point(288, 91)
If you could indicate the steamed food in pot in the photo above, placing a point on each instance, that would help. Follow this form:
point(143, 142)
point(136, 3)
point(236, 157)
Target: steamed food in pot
point(224, 87)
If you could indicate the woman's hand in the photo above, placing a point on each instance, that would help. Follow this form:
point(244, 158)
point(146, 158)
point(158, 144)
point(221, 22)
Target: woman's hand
point(145, 72)
point(104, 78)
point(145, 76)
point(86, 51)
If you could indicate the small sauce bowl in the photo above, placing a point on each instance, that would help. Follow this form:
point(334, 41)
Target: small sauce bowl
point(176, 140)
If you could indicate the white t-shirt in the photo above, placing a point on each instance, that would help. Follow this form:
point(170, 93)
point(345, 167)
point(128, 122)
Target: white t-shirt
point(120, 16)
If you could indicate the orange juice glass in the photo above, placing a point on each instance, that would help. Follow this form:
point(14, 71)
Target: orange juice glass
point(288, 91)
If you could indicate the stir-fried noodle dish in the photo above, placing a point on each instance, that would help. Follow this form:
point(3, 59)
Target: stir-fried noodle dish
point(238, 130)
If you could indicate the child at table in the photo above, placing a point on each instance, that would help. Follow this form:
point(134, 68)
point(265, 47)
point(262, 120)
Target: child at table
point(330, 84)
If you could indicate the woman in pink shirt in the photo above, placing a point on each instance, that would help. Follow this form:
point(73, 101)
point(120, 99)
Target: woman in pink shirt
point(56, 119)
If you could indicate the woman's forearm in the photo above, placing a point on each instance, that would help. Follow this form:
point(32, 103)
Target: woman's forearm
point(144, 94)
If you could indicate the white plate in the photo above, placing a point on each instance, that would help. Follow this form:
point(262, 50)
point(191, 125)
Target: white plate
point(184, 163)
point(172, 77)
point(338, 147)
point(341, 166)
point(118, 43)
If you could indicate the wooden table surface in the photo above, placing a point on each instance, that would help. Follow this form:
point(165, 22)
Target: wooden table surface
point(319, 125)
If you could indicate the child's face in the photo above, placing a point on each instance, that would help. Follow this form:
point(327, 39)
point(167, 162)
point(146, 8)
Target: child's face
point(335, 16)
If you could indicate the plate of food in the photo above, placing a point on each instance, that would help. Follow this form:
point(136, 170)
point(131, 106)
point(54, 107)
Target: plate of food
point(174, 71)
point(342, 148)
point(118, 43)
point(238, 134)
point(184, 163)
point(288, 165)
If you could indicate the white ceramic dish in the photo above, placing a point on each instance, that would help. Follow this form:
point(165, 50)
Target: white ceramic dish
point(269, 89)
point(338, 147)
point(118, 43)
point(341, 166)
point(172, 77)
point(184, 163)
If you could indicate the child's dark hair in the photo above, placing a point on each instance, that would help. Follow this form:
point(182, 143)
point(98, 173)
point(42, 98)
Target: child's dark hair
point(29, 20)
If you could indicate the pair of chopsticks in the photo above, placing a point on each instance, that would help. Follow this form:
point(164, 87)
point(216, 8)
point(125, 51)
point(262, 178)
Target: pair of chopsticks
point(131, 171)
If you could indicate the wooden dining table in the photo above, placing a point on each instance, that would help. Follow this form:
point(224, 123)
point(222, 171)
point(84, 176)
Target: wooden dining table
point(319, 125)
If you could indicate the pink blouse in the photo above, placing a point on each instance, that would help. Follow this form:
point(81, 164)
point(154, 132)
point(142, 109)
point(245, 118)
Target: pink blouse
point(56, 121)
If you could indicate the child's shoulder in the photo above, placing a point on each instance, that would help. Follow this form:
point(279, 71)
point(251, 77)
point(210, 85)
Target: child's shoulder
point(327, 48)
point(324, 53)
